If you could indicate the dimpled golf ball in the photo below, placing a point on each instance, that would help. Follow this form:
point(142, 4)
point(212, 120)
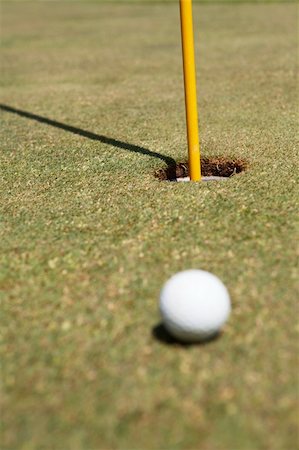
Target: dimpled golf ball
point(194, 305)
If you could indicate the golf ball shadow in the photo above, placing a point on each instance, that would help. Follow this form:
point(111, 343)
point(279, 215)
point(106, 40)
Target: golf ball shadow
point(160, 333)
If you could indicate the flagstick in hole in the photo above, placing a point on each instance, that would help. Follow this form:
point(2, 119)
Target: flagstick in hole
point(190, 89)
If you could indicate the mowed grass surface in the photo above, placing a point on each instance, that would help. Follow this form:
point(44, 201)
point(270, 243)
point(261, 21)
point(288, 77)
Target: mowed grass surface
point(88, 235)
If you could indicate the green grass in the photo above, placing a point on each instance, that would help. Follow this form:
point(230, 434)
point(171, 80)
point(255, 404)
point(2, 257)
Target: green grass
point(152, 1)
point(88, 235)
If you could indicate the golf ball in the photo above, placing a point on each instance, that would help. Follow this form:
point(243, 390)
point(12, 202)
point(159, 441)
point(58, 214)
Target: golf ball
point(194, 305)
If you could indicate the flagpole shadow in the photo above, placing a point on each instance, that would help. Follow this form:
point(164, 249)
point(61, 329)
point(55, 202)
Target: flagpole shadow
point(88, 134)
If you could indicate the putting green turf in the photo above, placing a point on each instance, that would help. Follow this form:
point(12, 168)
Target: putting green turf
point(88, 235)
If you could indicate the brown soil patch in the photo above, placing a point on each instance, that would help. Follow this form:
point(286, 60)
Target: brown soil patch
point(217, 167)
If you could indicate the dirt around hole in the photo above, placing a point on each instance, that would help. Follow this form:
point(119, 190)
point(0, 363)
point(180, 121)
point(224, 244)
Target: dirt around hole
point(216, 167)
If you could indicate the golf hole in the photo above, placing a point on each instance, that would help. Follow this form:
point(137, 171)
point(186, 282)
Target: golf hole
point(211, 169)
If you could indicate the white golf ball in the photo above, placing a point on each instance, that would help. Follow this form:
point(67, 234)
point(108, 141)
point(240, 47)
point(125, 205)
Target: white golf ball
point(194, 305)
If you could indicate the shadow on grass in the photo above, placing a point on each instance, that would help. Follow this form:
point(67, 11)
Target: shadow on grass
point(88, 134)
point(160, 333)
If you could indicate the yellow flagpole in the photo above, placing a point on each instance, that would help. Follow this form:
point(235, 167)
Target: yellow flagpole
point(190, 89)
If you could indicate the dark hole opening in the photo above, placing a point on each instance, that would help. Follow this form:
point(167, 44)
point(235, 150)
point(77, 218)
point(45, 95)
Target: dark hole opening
point(216, 167)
